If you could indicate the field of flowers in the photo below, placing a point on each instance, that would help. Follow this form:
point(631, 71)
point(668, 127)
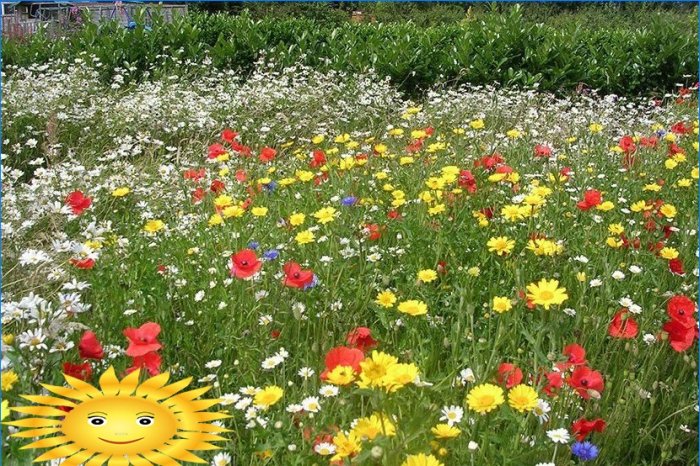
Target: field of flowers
point(481, 277)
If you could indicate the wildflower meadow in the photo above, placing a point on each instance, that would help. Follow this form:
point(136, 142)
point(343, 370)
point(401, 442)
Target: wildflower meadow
point(479, 275)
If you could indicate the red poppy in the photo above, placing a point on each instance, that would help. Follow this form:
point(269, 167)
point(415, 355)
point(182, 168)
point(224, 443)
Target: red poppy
point(623, 325)
point(373, 231)
point(668, 230)
point(679, 336)
point(543, 151)
point(194, 175)
point(414, 146)
point(78, 202)
point(674, 149)
point(394, 214)
point(504, 169)
point(509, 375)
point(681, 128)
point(267, 154)
point(649, 142)
point(150, 361)
point(323, 177)
point(442, 267)
point(489, 161)
point(245, 264)
point(342, 356)
point(85, 264)
point(583, 427)
point(216, 150)
point(89, 347)
point(240, 149)
point(142, 340)
point(198, 195)
point(321, 438)
point(576, 354)
point(488, 212)
point(555, 380)
point(229, 135)
point(565, 172)
point(591, 198)
point(319, 159)
point(627, 144)
point(676, 267)
point(681, 309)
point(241, 176)
point(217, 186)
point(467, 181)
point(361, 338)
point(275, 334)
point(79, 371)
point(295, 277)
point(587, 382)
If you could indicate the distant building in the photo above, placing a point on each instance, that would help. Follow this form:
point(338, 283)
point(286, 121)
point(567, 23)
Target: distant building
point(24, 18)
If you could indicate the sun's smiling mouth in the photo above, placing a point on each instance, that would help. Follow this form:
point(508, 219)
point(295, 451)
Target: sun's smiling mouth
point(120, 443)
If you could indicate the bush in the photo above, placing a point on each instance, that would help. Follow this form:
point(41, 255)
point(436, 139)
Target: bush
point(486, 48)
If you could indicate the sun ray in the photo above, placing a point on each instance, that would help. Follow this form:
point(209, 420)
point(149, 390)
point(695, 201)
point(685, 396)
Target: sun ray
point(139, 461)
point(118, 461)
point(190, 444)
point(46, 442)
point(160, 459)
point(59, 452)
point(48, 400)
point(129, 383)
point(178, 449)
point(82, 386)
point(186, 396)
point(109, 383)
point(67, 392)
point(191, 425)
point(35, 422)
point(98, 460)
point(36, 432)
point(201, 436)
point(44, 411)
point(152, 385)
point(205, 417)
point(202, 405)
point(169, 390)
point(78, 459)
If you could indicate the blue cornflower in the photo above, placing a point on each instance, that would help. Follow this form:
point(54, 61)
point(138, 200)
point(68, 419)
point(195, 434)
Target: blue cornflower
point(271, 186)
point(313, 283)
point(253, 245)
point(348, 201)
point(271, 255)
point(584, 451)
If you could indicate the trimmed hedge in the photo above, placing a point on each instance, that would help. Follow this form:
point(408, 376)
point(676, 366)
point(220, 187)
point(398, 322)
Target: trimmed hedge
point(496, 47)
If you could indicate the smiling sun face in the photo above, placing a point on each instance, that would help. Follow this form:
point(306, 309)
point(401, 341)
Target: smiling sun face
point(120, 425)
point(123, 422)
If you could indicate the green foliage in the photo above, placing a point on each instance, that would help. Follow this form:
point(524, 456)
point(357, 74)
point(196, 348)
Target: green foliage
point(507, 47)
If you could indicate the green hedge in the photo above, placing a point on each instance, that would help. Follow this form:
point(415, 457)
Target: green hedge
point(504, 47)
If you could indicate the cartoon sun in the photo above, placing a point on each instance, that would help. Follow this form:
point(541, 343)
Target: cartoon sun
point(121, 423)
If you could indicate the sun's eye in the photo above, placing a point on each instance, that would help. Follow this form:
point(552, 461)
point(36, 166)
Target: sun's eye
point(144, 421)
point(97, 421)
